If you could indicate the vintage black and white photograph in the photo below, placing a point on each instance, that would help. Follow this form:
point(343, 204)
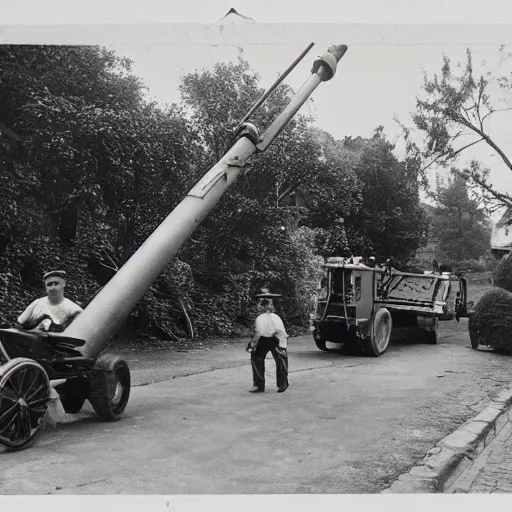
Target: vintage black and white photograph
point(254, 253)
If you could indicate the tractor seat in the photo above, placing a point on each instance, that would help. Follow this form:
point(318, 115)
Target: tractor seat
point(57, 339)
point(38, 345)
point(23, 344)
point(63, 344)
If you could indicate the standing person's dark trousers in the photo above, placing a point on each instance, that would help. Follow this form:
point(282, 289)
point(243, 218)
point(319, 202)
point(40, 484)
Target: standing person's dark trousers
point(258, 363)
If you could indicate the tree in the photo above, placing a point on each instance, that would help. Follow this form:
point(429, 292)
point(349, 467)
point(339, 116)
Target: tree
point(87, 166)
point(390, 221)
point(459, 223)
point(247, 240)
point(335, 242)
point(454, 114)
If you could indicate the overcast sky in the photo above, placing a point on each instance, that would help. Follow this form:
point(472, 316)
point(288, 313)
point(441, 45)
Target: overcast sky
point(377, 80)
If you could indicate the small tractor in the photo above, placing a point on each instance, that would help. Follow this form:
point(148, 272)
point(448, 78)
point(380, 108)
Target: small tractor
point(359, 306)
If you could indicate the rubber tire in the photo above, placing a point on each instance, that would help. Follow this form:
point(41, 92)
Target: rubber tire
point(102, 387)
point(381, 320)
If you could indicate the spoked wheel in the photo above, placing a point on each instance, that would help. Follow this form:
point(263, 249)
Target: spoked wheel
point(110, 387)
point(24, 397)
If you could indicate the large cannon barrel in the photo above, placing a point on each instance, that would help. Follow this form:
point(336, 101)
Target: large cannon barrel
point(110, 307)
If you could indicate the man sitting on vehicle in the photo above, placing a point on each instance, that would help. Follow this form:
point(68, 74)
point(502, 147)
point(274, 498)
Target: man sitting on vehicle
point(54, 311)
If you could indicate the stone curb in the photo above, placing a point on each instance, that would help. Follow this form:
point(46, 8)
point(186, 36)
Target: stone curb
point(452, 455)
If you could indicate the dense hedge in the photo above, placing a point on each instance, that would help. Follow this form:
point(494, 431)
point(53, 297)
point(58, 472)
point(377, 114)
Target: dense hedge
point(491, 322)
point(89, 168)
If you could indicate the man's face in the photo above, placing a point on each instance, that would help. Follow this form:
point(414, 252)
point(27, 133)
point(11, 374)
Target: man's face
point(55, 287)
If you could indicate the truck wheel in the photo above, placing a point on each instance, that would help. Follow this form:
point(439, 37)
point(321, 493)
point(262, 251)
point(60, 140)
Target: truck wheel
point(109, 387)
point(380, 333)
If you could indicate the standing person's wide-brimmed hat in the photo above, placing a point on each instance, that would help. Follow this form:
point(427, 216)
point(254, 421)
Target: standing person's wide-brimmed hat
point(265, 294)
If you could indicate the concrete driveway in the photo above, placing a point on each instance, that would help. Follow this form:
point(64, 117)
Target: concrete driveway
point(345, 425)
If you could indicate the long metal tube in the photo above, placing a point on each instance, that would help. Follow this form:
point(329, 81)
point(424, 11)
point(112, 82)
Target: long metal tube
point(110, 307)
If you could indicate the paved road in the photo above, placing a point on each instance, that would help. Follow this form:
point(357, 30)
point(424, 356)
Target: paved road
point(346, 424)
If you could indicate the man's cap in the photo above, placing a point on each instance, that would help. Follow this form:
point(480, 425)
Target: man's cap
point(55, 273)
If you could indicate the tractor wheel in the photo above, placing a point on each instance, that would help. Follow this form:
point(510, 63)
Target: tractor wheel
point(381, 332)
point(24, 399)
point(109, 387)
point(73, 394)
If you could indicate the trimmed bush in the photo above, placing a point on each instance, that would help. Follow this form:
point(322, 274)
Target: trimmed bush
point(503, 274)
point(491, 323)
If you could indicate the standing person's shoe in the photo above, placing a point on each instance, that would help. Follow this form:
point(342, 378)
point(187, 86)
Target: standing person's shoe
point(256, 389)
point(282, 389)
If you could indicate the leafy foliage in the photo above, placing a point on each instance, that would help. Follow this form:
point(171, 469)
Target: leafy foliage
point(454, 113)
point(491, 321)
point(89, 168)
point(459, 223)
point(390, 221)
point(85, 163)
point(502, 274)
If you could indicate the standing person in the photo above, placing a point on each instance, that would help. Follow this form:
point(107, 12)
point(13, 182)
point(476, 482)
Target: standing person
point(270, 335)
point(54, 310)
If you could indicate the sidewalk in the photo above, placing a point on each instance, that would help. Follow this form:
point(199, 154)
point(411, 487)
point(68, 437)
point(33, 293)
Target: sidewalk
point(475, 458)
point(491, 471)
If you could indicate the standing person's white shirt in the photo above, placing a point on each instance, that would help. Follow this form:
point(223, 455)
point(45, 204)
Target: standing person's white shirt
point(268, 325)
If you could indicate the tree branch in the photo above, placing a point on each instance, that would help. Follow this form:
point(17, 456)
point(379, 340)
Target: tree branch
point(503, 197)
point(485, 137)
point(493, 111)
point(496, 148)
point(477, 104)
point(454, 154)
point(115, 266)
point(287, 191)
point(189, 322)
